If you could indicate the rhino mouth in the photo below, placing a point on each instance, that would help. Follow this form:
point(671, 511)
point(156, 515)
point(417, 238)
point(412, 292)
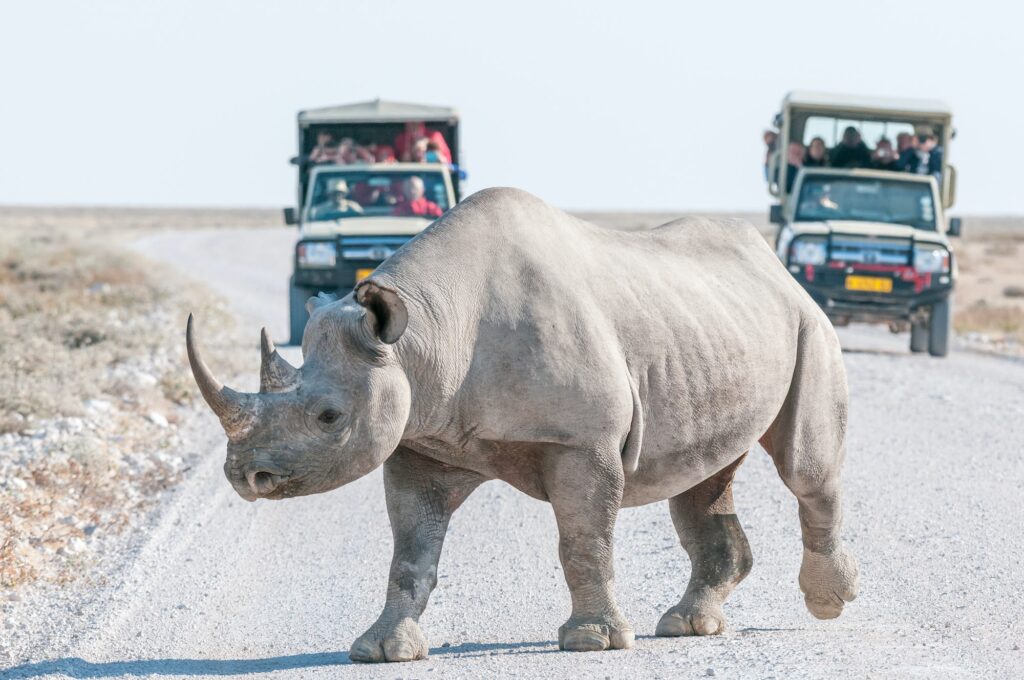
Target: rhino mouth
point(259, 479)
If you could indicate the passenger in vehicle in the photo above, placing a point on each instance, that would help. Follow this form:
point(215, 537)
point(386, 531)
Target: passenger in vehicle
point(419, 150)
point(926, 156)
point(414, 202)
point(817, 154)
point(346, 151)
point(771, 143)
point(851, 152)
point(904, 142)
point(337, 204)
point(433, 153)
point(795, 154)
point(414, 131)
point(325, 150)
point(884, 157)
point(384, 154)
point(364, 154)
point(371, 194)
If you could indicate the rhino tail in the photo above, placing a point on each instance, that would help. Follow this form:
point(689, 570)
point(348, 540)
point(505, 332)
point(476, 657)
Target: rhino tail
point(635, 436)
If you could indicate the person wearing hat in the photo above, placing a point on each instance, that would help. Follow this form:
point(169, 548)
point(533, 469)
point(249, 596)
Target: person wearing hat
point(337, 204)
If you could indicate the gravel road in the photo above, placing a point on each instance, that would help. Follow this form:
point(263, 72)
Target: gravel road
point(933, 481)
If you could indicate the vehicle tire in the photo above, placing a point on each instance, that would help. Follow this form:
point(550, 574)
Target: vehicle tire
point(940, 328)
point(919, 336)
point(297, 314)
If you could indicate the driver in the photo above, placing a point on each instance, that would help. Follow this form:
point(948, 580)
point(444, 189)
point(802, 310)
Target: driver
point(337, 204)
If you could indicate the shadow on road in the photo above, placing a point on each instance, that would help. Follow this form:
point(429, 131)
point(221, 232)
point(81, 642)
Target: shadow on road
point(485, 648)
point(875, 352)
point(80, 668)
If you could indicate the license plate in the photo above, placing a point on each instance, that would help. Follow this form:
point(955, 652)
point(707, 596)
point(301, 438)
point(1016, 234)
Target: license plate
point(362, 274)
point(869, 284)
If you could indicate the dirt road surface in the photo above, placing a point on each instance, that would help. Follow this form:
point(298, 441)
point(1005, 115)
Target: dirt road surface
point(933, 479)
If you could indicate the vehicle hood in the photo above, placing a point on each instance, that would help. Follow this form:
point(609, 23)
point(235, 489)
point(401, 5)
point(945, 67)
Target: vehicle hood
point(367, 226)
point(861, 228)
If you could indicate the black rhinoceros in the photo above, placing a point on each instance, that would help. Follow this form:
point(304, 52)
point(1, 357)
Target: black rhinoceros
point(590, 368)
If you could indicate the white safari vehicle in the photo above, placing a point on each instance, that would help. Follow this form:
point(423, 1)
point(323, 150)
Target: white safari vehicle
point(354, 212)
point(863, 226)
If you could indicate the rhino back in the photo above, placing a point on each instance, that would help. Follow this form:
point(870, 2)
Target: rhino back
point(538, 322)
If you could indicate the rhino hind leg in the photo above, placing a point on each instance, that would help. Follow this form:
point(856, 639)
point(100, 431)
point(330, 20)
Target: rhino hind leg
point(586, 497)
point(720, 558)
point(807, 442)
point(421, 497)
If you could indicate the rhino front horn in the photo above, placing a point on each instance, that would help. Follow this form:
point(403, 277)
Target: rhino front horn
point(235, 410)
point(276, 374)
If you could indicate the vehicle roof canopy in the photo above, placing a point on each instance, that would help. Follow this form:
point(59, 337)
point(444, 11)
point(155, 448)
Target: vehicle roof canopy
point(868, 108)
point(378, 111)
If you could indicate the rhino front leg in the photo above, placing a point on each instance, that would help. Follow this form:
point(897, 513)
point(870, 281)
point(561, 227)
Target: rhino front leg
point(421, 496)
point(709, 531)
point(585, 490)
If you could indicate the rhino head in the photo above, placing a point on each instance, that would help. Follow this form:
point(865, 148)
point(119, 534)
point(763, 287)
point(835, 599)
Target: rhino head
point(339, 416)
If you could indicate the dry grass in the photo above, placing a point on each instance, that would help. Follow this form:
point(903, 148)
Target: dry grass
point(120, 219)
point(66, 310)
point(989, 300)
point(93, 381)
point(1005, 321)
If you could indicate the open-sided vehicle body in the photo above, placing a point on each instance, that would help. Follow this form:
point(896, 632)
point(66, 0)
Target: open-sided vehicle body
point(353, 216)
point(869, 244)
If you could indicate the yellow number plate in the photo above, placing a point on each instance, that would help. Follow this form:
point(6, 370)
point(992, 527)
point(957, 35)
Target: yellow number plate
point(870, 284)
point(362, 274)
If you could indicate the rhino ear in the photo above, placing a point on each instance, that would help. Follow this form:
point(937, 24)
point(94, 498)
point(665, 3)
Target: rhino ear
point(384, 309)
point(321, 299)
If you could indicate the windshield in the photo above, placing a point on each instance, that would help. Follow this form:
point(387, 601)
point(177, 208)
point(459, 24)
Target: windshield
point(867, 200)
point(352, 193)
point(831, 130)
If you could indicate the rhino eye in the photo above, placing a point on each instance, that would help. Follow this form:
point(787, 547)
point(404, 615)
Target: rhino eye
point(328, 416)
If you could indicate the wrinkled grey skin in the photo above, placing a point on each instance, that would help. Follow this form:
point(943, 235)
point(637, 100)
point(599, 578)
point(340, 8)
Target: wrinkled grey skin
point(589, 368)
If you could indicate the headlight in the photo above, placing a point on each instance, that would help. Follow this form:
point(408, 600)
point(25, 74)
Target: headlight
point(931, 259)
point(807, 251)
point(317, 254)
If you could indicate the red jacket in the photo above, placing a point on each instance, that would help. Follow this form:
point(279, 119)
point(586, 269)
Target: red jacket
point(404, 140)
point(421, 207)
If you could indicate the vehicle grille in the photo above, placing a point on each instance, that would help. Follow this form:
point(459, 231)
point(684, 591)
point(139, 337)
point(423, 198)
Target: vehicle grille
point(870, 251)
point(371, 247)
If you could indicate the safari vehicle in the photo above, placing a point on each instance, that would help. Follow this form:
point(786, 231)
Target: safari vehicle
point(869, 244)
point(350, 215)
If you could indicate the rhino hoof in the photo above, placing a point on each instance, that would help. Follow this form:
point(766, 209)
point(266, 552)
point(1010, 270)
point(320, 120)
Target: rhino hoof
point(680, 621)
point(594, 637)
point(403, 641)
point(828, 581)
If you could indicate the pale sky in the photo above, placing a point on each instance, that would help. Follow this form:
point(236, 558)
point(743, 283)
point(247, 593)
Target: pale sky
point(590, 105)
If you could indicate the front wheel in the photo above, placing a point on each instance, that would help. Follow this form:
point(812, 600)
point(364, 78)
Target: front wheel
point(297, 315)
point(940, 328)
point(919, 336)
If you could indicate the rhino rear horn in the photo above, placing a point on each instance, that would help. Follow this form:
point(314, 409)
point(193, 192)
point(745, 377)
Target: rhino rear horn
point(319, 300)
point(276, 374)
point(236, 410)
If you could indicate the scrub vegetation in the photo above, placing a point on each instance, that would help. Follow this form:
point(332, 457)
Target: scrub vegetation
point(93, 381)
point(989, 306)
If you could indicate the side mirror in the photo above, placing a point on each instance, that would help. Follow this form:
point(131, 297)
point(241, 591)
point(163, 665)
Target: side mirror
point(955, 227)
point(775, 214)
point(290, 218)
